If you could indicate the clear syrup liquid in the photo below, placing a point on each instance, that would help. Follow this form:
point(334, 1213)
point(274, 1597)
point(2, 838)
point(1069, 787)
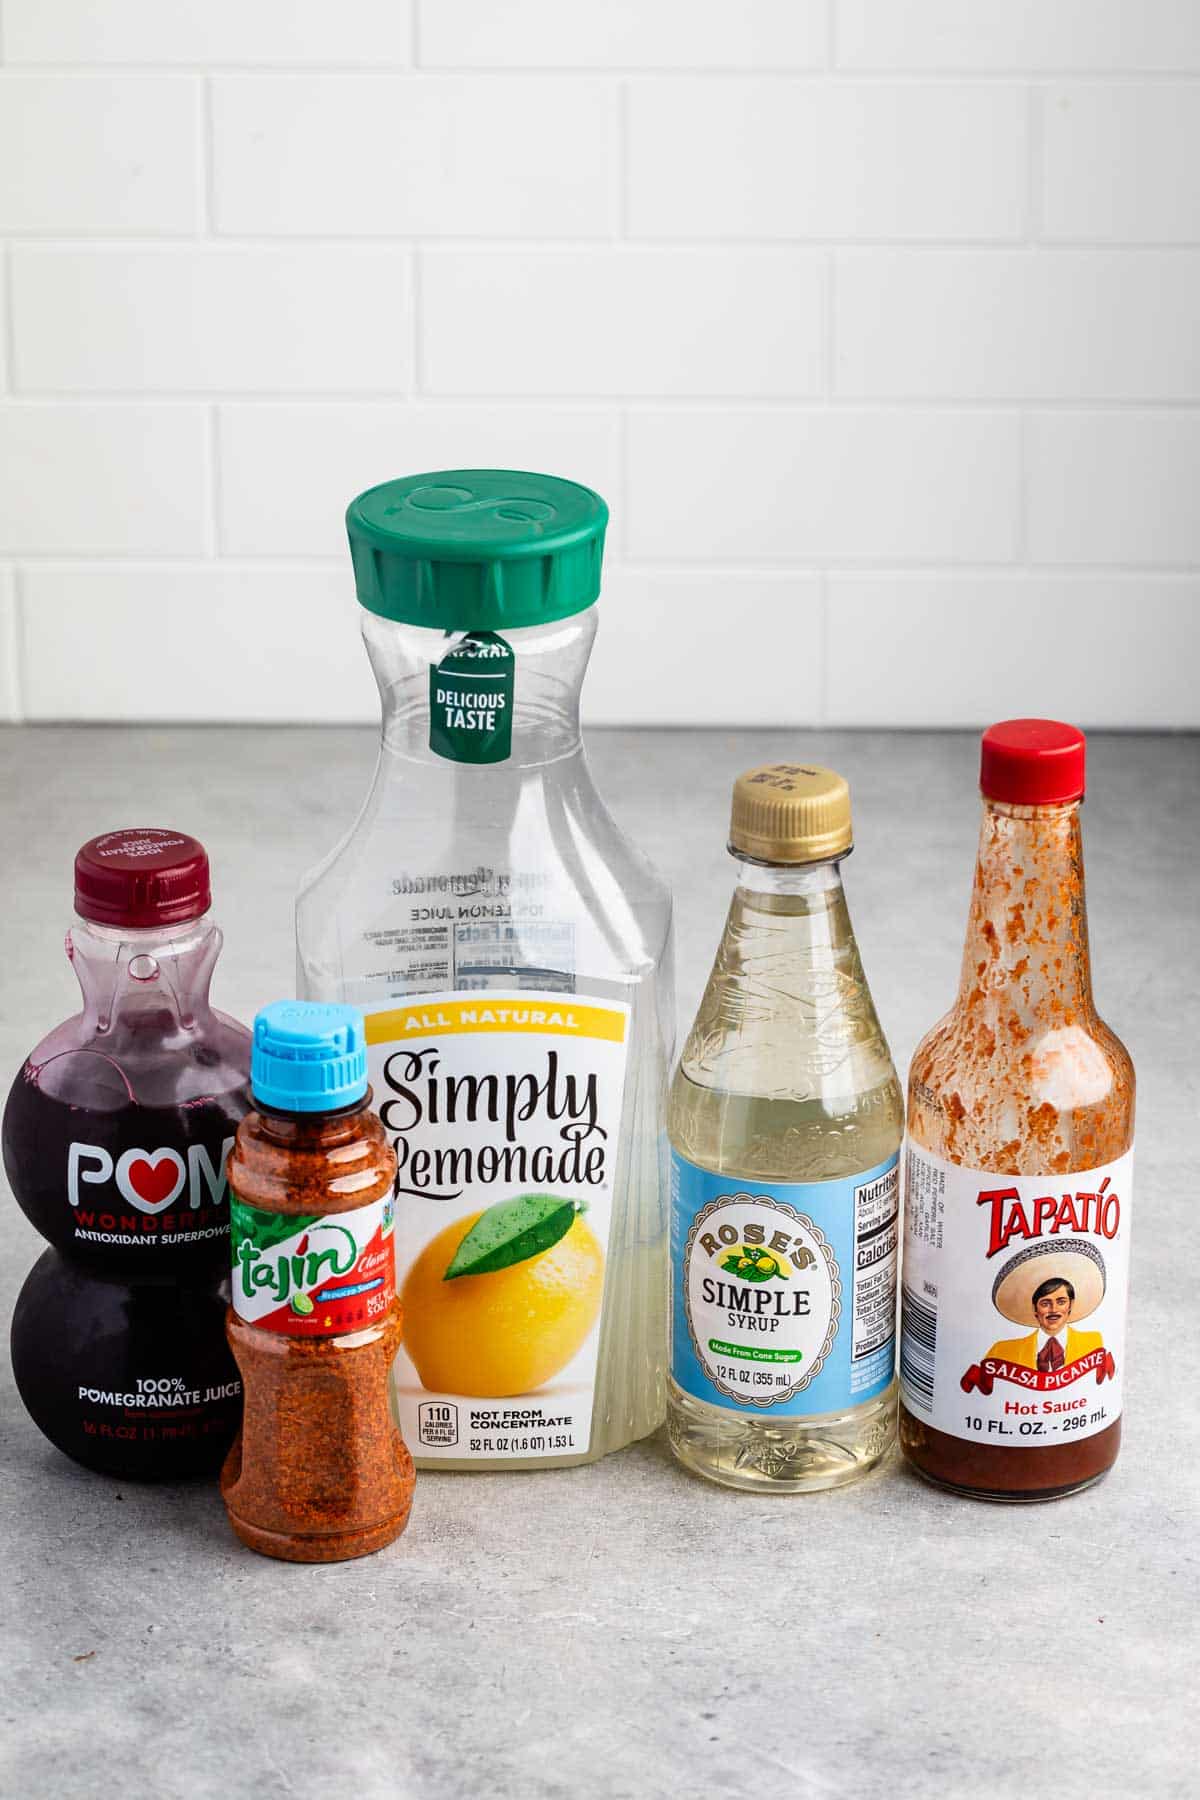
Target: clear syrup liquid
point(786, 1076)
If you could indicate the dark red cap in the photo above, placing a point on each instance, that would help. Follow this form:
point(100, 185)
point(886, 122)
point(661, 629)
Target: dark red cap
point(141, 878)
point(1032, 762)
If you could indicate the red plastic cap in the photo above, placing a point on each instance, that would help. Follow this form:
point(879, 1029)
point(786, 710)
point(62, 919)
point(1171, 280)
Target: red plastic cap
point(1032, 762)
point(141, 878)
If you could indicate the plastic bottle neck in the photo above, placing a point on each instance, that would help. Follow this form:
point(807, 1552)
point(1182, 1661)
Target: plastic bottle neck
point(145, 983)
point(549, 666)
point(1027, 939)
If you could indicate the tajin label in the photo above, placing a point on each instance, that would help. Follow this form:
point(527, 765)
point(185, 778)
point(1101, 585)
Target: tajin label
point(783, 1293)
point(311, 1276)
point(1013, 1300)
point(471, 698)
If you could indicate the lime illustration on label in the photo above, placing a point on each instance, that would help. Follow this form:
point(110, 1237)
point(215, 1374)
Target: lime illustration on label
point(784, 1292)
point(312, 1276)
point(986, 1253)
point(471, 700)
point(504, 1111)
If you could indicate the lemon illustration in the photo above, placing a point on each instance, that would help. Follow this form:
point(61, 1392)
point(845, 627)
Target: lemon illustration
point(505, 1332)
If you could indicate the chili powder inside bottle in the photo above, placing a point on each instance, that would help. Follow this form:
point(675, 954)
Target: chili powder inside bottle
point(319, 1472)
point(1019, 1164)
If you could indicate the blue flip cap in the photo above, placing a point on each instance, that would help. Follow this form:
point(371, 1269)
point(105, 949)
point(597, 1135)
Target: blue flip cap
point(308, 1057)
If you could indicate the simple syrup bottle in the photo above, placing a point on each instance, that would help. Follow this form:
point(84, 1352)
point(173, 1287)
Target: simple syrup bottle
point(1019, 1163)
point(785, 1120)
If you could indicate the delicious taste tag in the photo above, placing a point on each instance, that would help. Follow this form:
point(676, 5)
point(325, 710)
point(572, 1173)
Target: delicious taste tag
point(1013, 1300)
point(471, 699)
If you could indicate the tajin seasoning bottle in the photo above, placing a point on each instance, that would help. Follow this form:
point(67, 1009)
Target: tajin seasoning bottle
point(511, 951)
point(785, 1122)
point(319, 1472)
point(1019, 1164)
point(115, 1137)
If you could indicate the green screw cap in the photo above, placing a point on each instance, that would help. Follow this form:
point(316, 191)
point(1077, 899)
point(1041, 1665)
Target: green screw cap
point(477, 549)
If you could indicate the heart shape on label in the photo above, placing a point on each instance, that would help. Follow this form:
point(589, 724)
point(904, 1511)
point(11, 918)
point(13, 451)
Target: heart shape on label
point(150, 1181)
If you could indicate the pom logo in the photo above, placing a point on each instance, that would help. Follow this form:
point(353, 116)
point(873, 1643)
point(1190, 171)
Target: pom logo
point(150, 1180)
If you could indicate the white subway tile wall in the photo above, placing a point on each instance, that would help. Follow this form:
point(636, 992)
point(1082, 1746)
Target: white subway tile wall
point(875, 323)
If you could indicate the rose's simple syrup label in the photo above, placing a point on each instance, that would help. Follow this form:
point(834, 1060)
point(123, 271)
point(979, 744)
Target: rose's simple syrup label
point(504, 1110)
point(1013, 1301)
point(785, 1292)
point(312, 1276)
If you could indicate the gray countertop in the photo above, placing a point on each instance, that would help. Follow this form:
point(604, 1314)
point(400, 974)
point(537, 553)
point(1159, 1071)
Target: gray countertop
point(624, 1629)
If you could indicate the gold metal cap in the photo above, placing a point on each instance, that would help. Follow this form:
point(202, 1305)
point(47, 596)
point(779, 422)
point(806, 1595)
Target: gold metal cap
point(790, 813)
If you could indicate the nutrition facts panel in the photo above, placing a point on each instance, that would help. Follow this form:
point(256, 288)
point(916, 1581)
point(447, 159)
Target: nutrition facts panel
point(876, 1247)
point(475, 954)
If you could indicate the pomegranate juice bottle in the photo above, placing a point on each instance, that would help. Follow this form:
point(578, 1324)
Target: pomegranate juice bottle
point(115, 1137)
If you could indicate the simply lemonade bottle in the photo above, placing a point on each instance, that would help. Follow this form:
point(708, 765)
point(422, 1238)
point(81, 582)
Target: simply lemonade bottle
point(512, 953)
point(785, 1120)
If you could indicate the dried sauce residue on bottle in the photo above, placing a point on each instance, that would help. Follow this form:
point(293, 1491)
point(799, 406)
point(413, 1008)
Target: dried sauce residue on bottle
point(1022, 1075)
point(1020, 1123)
point(320, 1472)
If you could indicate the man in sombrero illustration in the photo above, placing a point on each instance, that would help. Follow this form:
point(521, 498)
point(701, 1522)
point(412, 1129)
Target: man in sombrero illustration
point(1051, 1288)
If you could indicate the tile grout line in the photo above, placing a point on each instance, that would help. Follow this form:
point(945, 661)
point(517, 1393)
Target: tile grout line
point(625, 487)
point(1062, 249)
point(205, 160)
point(623, 208)
point(212, 472)
point(825, 636)
point(20, 648)
point(1022, 544)
point(1011, 75)
point(1035, 166)
point(8, 335)
point(416, 388)
point(919, 406)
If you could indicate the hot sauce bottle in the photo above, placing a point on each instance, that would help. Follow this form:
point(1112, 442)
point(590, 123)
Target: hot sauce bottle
point(1019, 1164)
point(319, 1472)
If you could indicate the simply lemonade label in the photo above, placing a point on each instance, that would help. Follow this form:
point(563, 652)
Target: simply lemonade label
point(783, 1293)
point(504, 1110)
point(1013, 1302)
point(311, 1276)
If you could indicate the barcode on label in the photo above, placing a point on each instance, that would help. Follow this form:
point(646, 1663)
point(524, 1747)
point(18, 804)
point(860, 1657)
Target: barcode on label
point(918, 1346)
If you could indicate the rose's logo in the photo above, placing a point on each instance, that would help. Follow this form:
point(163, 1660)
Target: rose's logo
point(749, 1262)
